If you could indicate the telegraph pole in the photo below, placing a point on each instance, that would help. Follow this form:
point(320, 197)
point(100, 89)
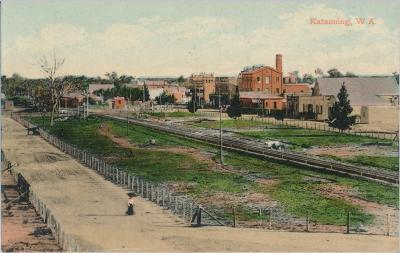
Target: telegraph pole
point(220, 127)
point(127, 119)
point(195, 99)
point(87, 104)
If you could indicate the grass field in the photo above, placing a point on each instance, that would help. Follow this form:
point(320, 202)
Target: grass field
point(385, 162)
point(297, 137)
point(306, 138)
point(298, 190)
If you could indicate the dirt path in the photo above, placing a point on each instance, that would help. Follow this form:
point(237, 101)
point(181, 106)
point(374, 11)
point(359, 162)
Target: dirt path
point(92, 210)
point(22, 229)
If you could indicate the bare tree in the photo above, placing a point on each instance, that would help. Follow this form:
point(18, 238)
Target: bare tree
point(56, 86)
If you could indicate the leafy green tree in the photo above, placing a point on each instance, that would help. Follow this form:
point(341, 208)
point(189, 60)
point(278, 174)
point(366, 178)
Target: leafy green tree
point(334, 73)
point(350, 74)
point(192, 107)
point(113, 77)
point(146, 93)
point(180, 79)
point(339, 116)
point(165, 98)
point(308, 78)
point(234, 110)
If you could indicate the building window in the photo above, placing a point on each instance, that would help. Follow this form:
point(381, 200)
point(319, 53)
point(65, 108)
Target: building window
point(266, 104)
point(267, 80)
point(274, 105)
point(258, 89)
point(258, 79)
point(277, 90)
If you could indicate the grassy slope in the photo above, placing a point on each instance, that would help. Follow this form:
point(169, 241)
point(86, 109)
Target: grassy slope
point(306, 138)
point(294, 191)
point(385, 162)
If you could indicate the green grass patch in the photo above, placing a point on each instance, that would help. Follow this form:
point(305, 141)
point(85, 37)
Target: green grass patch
point(384, 162)
point(307, 138)
point(301, 199)
point(389, 163)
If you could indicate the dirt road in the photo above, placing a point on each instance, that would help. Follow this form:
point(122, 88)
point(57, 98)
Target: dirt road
point(92, 210)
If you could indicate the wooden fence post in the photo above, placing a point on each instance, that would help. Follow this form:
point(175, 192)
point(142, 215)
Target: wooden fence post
point(190, 210)
point(234, 216)
point(270, 219)
point(142, 187)
point(388, 224)
point(348, 223)
point(198, 216)
point(184, 209)
point(163, 197)
point(308, 223)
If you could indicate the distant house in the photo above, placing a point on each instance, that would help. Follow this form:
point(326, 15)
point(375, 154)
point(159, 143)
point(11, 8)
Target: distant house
point(259, 99)
point(363, 91)
point(180, 93)
point(297, 89)
point(72, 100)
point(314, 105)
point(117, 103)
point(374, 99)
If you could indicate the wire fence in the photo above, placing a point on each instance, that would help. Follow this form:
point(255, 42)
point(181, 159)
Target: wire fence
point(190, 212)
point(320, 126)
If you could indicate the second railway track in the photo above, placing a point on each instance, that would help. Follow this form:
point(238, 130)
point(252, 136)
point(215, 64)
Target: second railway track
point(257, 149)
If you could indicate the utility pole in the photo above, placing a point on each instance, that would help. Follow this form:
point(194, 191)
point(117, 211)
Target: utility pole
point(220, 126)
point(127, 119)
point(195, 99)
point(87, 104)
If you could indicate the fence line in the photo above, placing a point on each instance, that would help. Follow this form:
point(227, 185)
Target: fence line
point(182, 206)
point(321, 126)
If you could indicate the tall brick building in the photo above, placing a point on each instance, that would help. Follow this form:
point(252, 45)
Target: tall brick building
point(205, 85)
point(262, 78)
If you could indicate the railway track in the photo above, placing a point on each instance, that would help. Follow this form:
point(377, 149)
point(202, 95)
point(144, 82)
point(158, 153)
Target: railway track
point(259, 149)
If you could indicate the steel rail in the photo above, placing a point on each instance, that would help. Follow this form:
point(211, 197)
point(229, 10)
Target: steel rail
point(258, 149)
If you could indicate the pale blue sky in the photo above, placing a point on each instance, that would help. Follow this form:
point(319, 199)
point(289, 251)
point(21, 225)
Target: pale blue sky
point(181, 37)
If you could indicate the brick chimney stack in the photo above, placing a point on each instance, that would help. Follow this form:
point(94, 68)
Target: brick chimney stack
point(278, 63)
